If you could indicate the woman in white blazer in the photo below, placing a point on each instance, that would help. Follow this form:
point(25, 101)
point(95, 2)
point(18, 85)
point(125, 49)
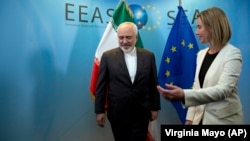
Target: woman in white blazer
point(214, 98)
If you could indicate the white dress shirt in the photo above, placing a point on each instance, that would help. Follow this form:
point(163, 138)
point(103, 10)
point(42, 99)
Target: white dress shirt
point(131, 62)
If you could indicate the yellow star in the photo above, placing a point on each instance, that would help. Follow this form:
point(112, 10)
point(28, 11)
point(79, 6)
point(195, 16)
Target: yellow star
point(167, 73)
point(190, 46)
point(167, 60)
point(173, 49)
point(183, 43)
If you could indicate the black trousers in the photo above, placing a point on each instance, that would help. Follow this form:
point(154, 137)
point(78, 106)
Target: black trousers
point(133, 127)
point(135, 131)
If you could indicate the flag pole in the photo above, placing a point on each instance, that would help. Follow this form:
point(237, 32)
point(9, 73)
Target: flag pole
point(179, 2)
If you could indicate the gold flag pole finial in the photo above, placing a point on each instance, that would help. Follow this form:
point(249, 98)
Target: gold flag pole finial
point(179, 2)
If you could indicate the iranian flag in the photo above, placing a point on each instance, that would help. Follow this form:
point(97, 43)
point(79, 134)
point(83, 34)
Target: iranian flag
point(109, 39)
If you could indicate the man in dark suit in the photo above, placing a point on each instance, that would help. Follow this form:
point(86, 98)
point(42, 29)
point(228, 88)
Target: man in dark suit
point(128, 79)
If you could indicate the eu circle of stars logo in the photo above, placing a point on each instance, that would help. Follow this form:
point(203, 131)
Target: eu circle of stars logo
point(141, 16)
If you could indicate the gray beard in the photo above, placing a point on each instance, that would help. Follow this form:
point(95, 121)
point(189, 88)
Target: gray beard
point(127, 50)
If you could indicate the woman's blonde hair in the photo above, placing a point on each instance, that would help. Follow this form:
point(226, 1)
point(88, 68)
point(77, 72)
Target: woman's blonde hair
point(216, 22)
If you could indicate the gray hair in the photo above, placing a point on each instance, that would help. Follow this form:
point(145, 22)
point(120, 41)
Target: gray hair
point(134, 26)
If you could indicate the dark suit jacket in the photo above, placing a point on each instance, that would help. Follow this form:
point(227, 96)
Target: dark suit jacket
point(126, 99)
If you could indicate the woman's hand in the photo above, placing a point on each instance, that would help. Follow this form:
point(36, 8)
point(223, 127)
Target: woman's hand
point(171, 93)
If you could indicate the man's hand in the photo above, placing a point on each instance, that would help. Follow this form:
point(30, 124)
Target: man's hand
point(154, 115)
point(100, 118)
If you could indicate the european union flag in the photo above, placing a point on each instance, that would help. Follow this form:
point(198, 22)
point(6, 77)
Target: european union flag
point(178, 61)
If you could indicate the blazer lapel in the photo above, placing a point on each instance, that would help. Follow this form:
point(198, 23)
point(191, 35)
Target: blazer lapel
point(200, 60)
point(198, 66)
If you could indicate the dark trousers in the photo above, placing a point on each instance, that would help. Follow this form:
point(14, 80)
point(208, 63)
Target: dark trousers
point(134, 131)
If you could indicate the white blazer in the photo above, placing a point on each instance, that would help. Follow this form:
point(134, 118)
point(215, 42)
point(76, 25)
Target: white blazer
point(218, 101)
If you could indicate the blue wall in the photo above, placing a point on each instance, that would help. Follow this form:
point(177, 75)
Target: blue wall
point(46, 63)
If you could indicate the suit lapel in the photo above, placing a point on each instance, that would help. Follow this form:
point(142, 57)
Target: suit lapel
point(123, 67)
point(139, 63)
